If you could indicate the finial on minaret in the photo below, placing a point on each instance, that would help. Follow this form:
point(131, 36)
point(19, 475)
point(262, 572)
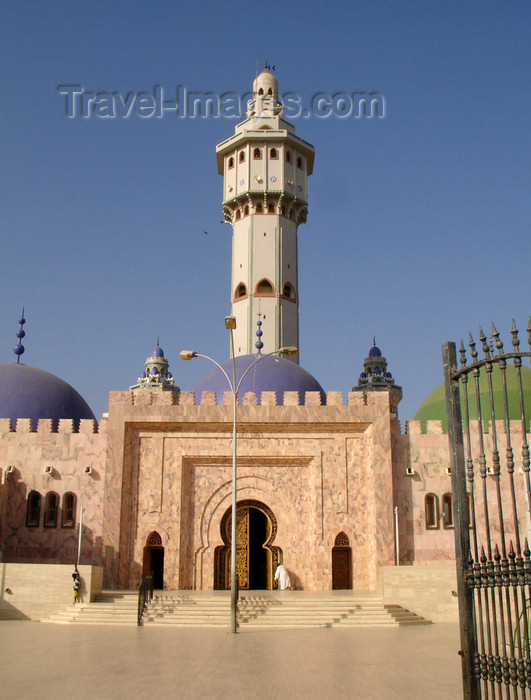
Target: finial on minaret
point(259, 333)
point(374, 341)
point(265, 64)
point(19, 349)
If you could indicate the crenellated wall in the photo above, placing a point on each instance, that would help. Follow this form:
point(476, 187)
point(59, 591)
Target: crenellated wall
point(320, 469)
point(62, 462)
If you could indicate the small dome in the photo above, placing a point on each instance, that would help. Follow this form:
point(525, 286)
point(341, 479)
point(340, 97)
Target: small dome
point(266, 82)
point(271, 373)
point(28, 392)
point(157, 351)
point(375, 351)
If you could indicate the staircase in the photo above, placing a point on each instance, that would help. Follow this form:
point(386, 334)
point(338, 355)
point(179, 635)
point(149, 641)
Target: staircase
point(256, 610)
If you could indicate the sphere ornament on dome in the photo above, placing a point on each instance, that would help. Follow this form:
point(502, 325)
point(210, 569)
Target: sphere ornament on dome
point(271, 373)
point(19, 349)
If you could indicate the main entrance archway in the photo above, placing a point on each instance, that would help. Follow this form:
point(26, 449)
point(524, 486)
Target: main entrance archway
point(256, 556)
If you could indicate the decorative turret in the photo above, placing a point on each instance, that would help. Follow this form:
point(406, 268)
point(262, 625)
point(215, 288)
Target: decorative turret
point(375, 376)
point(156, 372)
point(265, 167)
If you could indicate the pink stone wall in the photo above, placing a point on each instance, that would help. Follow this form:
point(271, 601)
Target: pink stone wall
point(68, 454)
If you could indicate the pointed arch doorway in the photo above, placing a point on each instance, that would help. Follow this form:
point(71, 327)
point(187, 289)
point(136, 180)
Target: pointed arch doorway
point(256, 556)
point(153, 561)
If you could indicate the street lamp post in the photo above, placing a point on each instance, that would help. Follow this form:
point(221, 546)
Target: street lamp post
point(230, 324)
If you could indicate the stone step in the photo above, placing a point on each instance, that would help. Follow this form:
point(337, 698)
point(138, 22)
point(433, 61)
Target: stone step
point(255, 610)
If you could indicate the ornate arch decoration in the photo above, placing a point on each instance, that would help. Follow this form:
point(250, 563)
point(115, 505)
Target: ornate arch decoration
point(249, 503)
point(342, 540)
point(154, 539)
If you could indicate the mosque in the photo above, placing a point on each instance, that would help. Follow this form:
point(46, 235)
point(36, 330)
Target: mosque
point(335, 489)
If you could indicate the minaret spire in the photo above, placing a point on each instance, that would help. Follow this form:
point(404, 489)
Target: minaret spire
point(265, 167)
point(19, 349)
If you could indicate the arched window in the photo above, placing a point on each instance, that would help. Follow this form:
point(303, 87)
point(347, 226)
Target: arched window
point(261, 91)
point(264, 287)
point(69, 510)
point(283, 210)
point(259, 208)
point(51, 507)
point(288, 291)
point(270, 208)
point(270, 91)
point(288, 156)
point(257, 154)
point(246, 210)
point(33, 509)
point(231, 162)
point(241, 157)
point(273, 154)
point(241, 291)
point(431, 506)
point(238, 214)
point(447, 511)
point(300, 163)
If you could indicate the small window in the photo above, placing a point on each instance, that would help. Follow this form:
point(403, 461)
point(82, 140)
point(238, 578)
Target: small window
point(246, 210)
point(69, 510)
point(33, 509)
point(154, 539)
point(270, 91)
point(264, 287)
point(288, 156)
point(231, 162)
point(273, 154)
point(241, 157)
point(257, 154)
point(270, 208)
point(238, 214)
point(283, 210)
point(259, 208)
point(241, 291)
point(261, 91)
point(288, 291)
point(447, 511)
point(51, 507)
point(431, 504)
point(300, 163)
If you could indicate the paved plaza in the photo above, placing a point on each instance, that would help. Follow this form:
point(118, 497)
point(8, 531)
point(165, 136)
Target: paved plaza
point(102, 661)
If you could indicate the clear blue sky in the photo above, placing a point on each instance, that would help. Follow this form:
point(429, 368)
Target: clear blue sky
point(418, 226)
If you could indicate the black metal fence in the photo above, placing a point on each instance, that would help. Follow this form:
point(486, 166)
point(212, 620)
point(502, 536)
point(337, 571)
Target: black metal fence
point(489, 458)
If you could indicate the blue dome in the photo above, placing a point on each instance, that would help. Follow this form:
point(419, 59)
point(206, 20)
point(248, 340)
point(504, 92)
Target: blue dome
point(271, 373)
point(375, 351)
point(157, 352)
point(28, 392)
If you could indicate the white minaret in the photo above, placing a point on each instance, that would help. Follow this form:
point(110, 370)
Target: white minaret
point(265, 167)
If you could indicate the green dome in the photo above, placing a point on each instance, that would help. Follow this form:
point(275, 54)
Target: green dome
point(434, 407)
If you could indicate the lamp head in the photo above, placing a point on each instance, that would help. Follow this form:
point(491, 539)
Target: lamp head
point(230, 322)
point(288, 350)
point(187, 354)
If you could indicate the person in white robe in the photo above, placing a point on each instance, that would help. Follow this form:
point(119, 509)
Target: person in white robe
point(282, 576)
